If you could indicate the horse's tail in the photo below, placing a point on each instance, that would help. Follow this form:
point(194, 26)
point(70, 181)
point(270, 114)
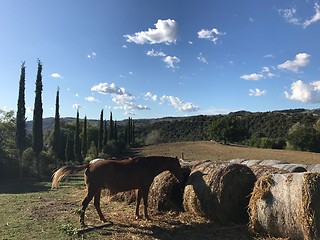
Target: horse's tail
point(65, 171)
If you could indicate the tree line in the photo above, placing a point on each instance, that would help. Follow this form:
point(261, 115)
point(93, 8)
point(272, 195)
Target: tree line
point(36, 154)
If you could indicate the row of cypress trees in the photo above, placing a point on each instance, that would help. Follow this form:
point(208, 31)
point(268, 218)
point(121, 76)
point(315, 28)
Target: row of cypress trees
point(37, 131)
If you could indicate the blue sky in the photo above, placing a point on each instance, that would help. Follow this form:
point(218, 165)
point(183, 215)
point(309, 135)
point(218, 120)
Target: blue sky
point(150, 59)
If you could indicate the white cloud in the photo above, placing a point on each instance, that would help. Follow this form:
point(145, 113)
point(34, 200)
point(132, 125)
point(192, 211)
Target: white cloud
point(105, 88)
point(306, 93)
point(202, 58)
point(289, 15)
point(257, 92)
point(314, 18)
point(179, 104)
point(165, 32)
point(171, 61)
point(153, 53)
point(130, 73)
point(91, 99)
point(190, 42)
point(119, 96)
point(268, 55)
point(150, 96)
point(77, 106)
point(56, 75)
point(211, 35)
point(124, 46)
point(92, 55)
point(301, 60)
point(252, 76)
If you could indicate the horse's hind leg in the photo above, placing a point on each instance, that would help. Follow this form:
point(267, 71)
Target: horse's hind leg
point(85, 204)
point(97, 205)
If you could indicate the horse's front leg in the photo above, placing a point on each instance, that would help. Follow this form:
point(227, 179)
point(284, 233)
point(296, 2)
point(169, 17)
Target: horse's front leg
point(138, 196)
point(145, 194)
point(97, 205)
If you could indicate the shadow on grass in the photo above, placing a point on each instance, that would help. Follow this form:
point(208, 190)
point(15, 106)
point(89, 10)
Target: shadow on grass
point(23, 186)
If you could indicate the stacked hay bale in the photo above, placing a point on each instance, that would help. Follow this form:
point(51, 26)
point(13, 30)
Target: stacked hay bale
point(166, 193)
point(219, 191)
point(286, 205)
point(291, 167)
point(262, 170)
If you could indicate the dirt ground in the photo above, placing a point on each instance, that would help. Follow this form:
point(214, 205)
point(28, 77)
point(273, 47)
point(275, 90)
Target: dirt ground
point(169, 225)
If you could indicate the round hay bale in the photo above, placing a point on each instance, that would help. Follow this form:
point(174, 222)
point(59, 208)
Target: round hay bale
point(237, 160)
point(271, 162)
point(128, 197)
point(286, 206)
point(219, 192)
point(313, 168)
point(291, 167)
point(166, 193)
point(262, 170)
point(250, 163)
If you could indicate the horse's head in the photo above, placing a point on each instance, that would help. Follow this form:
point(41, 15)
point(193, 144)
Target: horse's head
point(176, 170)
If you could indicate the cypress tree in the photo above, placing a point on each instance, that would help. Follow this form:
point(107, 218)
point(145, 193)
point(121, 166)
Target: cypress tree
point(21, 116)
point(56, 142)
point(37, 137)
point(69, 156)
point(111, 128)
point(105, 136)
point(85, 139)
point(100, 140)
point(77, 145)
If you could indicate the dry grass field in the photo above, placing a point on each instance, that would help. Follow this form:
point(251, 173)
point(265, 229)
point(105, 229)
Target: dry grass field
point(215, 151)
point(31, 210)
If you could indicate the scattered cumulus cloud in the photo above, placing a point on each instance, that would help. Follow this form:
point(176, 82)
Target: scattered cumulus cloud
point(165, 31)
point(190, 42)
point(92, 55)
point(150, 96)
point(314, 18)
point(120, 96)
point(56, 75)
point(211, 35)
point(268, 55)
point(252, 76)
point(306, 93)
point(257, 92)
point(290, 16)
point(171, 61)
point(91, 99)
point(301, 60)
point(179, 104)
point(77, 106)
point(202, 58)
point(124, 46)
point(153, 53)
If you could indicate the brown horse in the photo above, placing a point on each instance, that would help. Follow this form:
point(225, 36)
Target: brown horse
point(119, 176)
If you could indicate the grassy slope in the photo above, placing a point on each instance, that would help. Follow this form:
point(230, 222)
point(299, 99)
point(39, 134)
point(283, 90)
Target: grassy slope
point(215, 151)
point(30, 210)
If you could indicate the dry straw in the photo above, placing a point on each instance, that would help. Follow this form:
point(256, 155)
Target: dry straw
point(286, 205)
point(219, 192)
point(262, 170)
point(166, 193)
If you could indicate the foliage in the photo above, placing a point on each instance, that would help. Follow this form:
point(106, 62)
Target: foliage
point(84, 147)
point(304, 138)
point(77, 144)
point(21, 135)
point(56, 142)
point(228, 129)
point(101, 131)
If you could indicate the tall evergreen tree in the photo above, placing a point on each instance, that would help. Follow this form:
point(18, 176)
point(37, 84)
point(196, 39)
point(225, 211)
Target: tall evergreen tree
point(37, 137)
point(111, 128)
point(105, 136)
point(100, 140)
point(84, 139)
point(69, 155)
point(56, 142)
point(77, 144)
point(21, 116)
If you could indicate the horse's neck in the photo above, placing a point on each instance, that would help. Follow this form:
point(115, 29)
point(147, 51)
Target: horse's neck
point(160, 166)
